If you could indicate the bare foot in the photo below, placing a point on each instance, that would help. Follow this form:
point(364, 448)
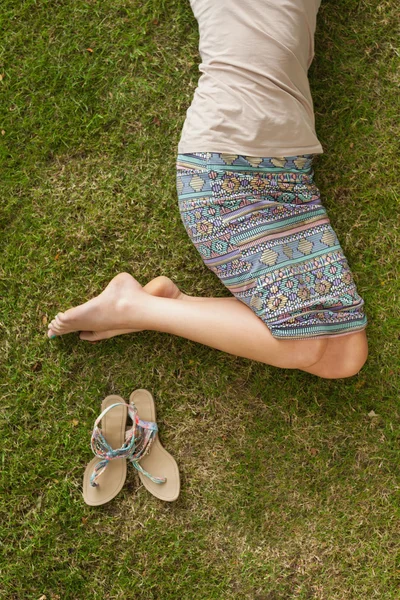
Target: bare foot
point(105, 313)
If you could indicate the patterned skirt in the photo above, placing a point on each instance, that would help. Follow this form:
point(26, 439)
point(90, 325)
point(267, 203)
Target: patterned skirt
point(259, 225)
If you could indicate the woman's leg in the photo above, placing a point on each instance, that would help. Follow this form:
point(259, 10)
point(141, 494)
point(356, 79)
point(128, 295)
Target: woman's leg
point(222, 323)
point(343, 356)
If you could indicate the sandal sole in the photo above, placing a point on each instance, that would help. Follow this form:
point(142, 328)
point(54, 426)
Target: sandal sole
point(158, 462)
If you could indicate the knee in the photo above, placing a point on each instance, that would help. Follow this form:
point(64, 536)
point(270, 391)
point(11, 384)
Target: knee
point(347, 368)
point(348, 364)
point(343, 357)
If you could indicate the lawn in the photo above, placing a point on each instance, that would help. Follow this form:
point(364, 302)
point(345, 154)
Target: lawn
point(290, 483)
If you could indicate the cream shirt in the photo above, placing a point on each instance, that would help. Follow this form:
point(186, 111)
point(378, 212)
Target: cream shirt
point(253, 97)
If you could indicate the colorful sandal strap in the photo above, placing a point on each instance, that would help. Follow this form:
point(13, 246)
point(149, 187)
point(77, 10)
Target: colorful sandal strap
point(138, 440)
point(148, 431)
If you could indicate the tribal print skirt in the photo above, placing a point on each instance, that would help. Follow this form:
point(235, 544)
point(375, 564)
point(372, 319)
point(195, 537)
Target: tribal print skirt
point(259, 225)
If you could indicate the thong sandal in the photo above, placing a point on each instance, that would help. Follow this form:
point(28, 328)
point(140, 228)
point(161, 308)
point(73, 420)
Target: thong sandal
point(113, 445)
point(157, 461)
point(112, 472)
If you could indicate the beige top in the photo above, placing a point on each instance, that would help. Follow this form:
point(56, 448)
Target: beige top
point(253, 96)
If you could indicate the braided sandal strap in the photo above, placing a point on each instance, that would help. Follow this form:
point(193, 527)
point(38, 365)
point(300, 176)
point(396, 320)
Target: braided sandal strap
point(138, 441)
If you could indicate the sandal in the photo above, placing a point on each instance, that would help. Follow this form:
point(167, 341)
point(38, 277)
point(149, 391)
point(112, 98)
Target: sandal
point(157, 461)
point(112, 472)
point(113, 445)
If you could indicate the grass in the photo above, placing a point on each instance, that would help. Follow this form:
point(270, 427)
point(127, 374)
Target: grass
point(290, 485)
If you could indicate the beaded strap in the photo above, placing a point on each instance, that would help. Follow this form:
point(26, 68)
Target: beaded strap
point(138, 440)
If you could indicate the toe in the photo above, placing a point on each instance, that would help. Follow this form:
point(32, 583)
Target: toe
point(59, 319)
point(55, 328)
point(52, 328)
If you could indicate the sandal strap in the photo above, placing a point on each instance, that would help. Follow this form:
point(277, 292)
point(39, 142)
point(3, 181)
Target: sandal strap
point(138, 440)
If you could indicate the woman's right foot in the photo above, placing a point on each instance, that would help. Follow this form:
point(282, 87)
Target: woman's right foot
point(119, 306)
point(121, 287)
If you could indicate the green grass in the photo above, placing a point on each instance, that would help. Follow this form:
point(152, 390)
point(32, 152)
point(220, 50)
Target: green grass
point(289, 489)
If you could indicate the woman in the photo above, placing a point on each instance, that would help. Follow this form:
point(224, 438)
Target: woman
point(248, 201)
